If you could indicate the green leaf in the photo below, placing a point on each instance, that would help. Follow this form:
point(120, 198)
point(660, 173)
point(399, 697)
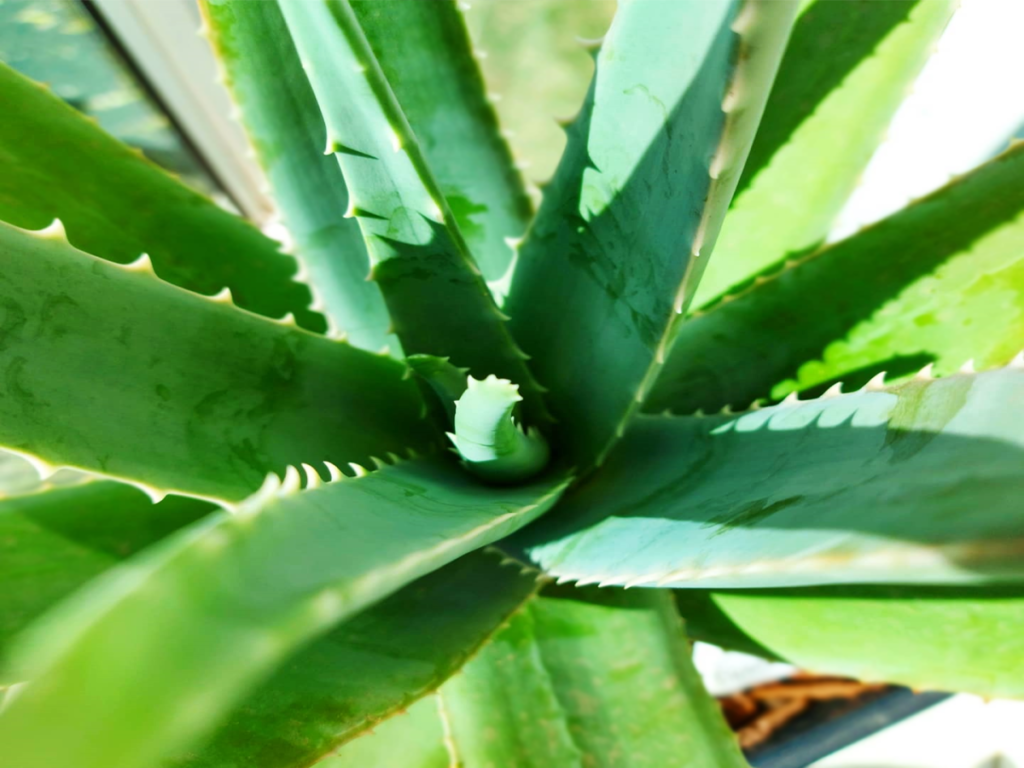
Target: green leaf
point(108, 369)
point(426, 56)
point(369, 667)
point(224, 601)
point(846, 69)
point(283, 121)
point(438, 300)
point(115, 204)
point(916, 484)
point(939, 282)
point(588, 679)
point(932, 638)
point(489, 440)
point(446, 381)
point(413, 740)
point(650, 167)
point(53, 542)
point(536, 60)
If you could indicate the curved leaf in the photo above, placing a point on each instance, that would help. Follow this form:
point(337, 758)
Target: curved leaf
point(283, 121)
point(372, 665)
point(224, 601)
point(846, 69)
point(916, 484)
point(426, 56)
point(939, 282)
point(60, 165)
point(588, 679)
point(438, 300)
point(53, 542)
point(633, 211)
point(108, 369)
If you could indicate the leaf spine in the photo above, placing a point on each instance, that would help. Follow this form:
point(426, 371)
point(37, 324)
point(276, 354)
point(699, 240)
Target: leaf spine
point(312, 477)
point(834, 391)
point(925, 374)
point(291, 483)
point(875, 384)
point(142, 264)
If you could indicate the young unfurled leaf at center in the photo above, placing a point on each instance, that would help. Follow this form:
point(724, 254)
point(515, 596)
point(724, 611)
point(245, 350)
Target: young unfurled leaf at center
point(488, 439)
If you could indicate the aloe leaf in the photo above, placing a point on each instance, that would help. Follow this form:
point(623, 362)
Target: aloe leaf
point(448, 382)
point(939, 282)
point(194, 396)
point(632, 213)
point(53, 542)
point(537, 64)
point(931, 638)
point(586, 679)
point(438, 299)
point(914, 484)
point(224, 601)
point(846, 69)
point(370, 668)
point(487, 437)
point(413, 740)
point(281, 116)
point(60, 165)
point(425, 53)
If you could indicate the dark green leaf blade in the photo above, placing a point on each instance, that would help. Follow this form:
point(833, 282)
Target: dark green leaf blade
point(110, 370)
point(426, 56)
point(53, 542)
point(914, 484)
point(117, 205)
point(438, 300)
point(585, 679)
point(380, 661)
point(939, 282)
point(283, 121)
point(224, 601)
point(651, 163)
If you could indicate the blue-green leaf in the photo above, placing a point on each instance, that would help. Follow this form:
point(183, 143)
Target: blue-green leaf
point(632, 213)
point(914, 484)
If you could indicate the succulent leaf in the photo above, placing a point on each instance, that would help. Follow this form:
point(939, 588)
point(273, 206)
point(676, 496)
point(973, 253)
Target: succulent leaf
point(370, 668)
point(438, 300)
point(281, 116)
point(111, 370)
point(939, 282)
point(632, 213)
point(223, 601)
point(927, 637)
point(427, 57)
point(577, 678)
point(116, 204)
point(914, 484)
point(447, 381)
point(487, 437)
point(53, 542)
point(601, 675)
point(846, 69)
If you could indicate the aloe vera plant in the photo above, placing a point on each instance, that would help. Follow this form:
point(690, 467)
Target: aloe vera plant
point(283, 507)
